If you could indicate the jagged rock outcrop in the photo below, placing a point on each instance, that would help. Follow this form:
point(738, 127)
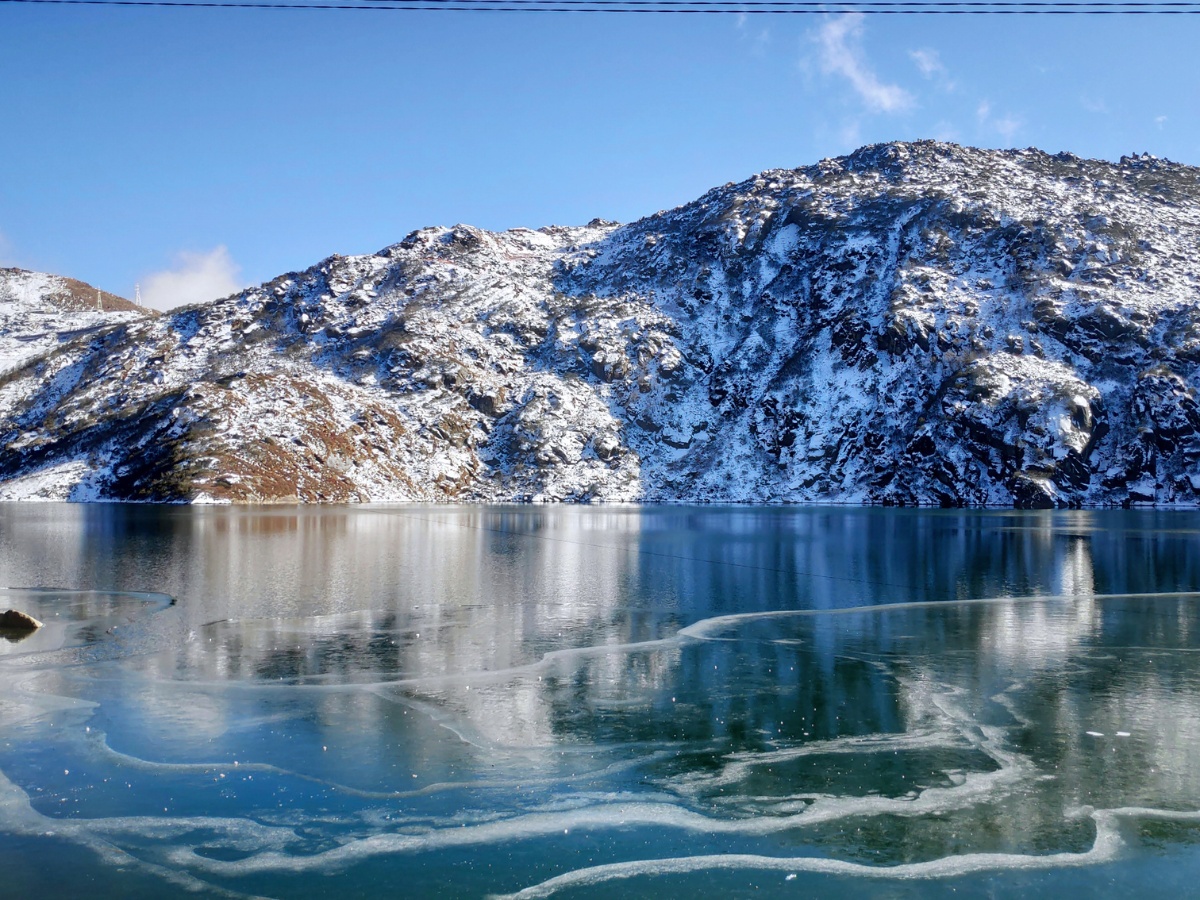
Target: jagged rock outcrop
point(913, 323)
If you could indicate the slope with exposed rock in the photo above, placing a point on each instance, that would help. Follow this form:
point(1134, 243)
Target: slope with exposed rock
point(914, 323)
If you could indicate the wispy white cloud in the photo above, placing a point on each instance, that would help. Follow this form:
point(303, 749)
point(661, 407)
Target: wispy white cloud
point(1094, 104)
point(1006, 126)
point(1160, 121)
point(759, 39)
point(840, 53)
point(194, 278)
point(929, 64)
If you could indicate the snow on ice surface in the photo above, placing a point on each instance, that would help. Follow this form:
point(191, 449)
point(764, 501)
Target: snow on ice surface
point(915, 323)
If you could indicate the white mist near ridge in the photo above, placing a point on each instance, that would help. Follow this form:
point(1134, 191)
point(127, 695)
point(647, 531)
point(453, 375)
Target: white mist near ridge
point(195, 277)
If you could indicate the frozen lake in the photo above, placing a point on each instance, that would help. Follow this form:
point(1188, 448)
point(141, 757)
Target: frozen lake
point(591, 702)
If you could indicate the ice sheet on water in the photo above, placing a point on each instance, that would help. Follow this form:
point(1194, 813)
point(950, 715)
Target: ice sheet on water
point(726, 771)
point(72, 618)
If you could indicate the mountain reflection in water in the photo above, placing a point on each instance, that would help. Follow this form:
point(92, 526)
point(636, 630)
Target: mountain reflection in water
point(473, 701)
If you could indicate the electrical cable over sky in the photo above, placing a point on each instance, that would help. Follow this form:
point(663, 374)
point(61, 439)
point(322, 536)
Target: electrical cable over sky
point(692, 7)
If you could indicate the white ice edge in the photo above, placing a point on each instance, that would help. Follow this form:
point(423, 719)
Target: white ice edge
point(704, 629)
point(19, 817)
point(203, 768)
point(1105, 848)
point(701, 630)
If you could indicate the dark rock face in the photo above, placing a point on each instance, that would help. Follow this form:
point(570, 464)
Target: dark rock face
point(912, 324)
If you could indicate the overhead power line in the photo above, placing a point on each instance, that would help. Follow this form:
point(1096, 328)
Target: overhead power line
point(690, 7)
point(826, 5)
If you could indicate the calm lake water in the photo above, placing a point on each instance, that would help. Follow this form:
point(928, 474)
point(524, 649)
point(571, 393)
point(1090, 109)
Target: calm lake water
point(599, 702)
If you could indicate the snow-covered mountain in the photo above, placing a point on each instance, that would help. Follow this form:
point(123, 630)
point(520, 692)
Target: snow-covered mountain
point(913, 323)
point(38, 312)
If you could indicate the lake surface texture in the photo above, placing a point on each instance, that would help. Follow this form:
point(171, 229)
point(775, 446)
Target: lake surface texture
point(599, 702)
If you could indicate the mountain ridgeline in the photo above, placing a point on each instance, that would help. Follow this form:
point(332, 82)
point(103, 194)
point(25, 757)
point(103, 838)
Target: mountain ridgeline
point(911, 324)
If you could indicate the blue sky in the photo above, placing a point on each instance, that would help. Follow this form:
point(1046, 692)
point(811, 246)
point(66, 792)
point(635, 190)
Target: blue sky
point(195, 151)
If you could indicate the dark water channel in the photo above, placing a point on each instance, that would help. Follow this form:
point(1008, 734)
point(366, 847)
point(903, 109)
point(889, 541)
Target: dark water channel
point(599, 702)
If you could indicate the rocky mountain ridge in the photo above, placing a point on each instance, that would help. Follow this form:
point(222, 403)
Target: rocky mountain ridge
point(913, 323)
point(39, 311)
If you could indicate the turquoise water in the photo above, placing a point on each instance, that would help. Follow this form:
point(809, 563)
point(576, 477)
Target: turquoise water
point(596, 702)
